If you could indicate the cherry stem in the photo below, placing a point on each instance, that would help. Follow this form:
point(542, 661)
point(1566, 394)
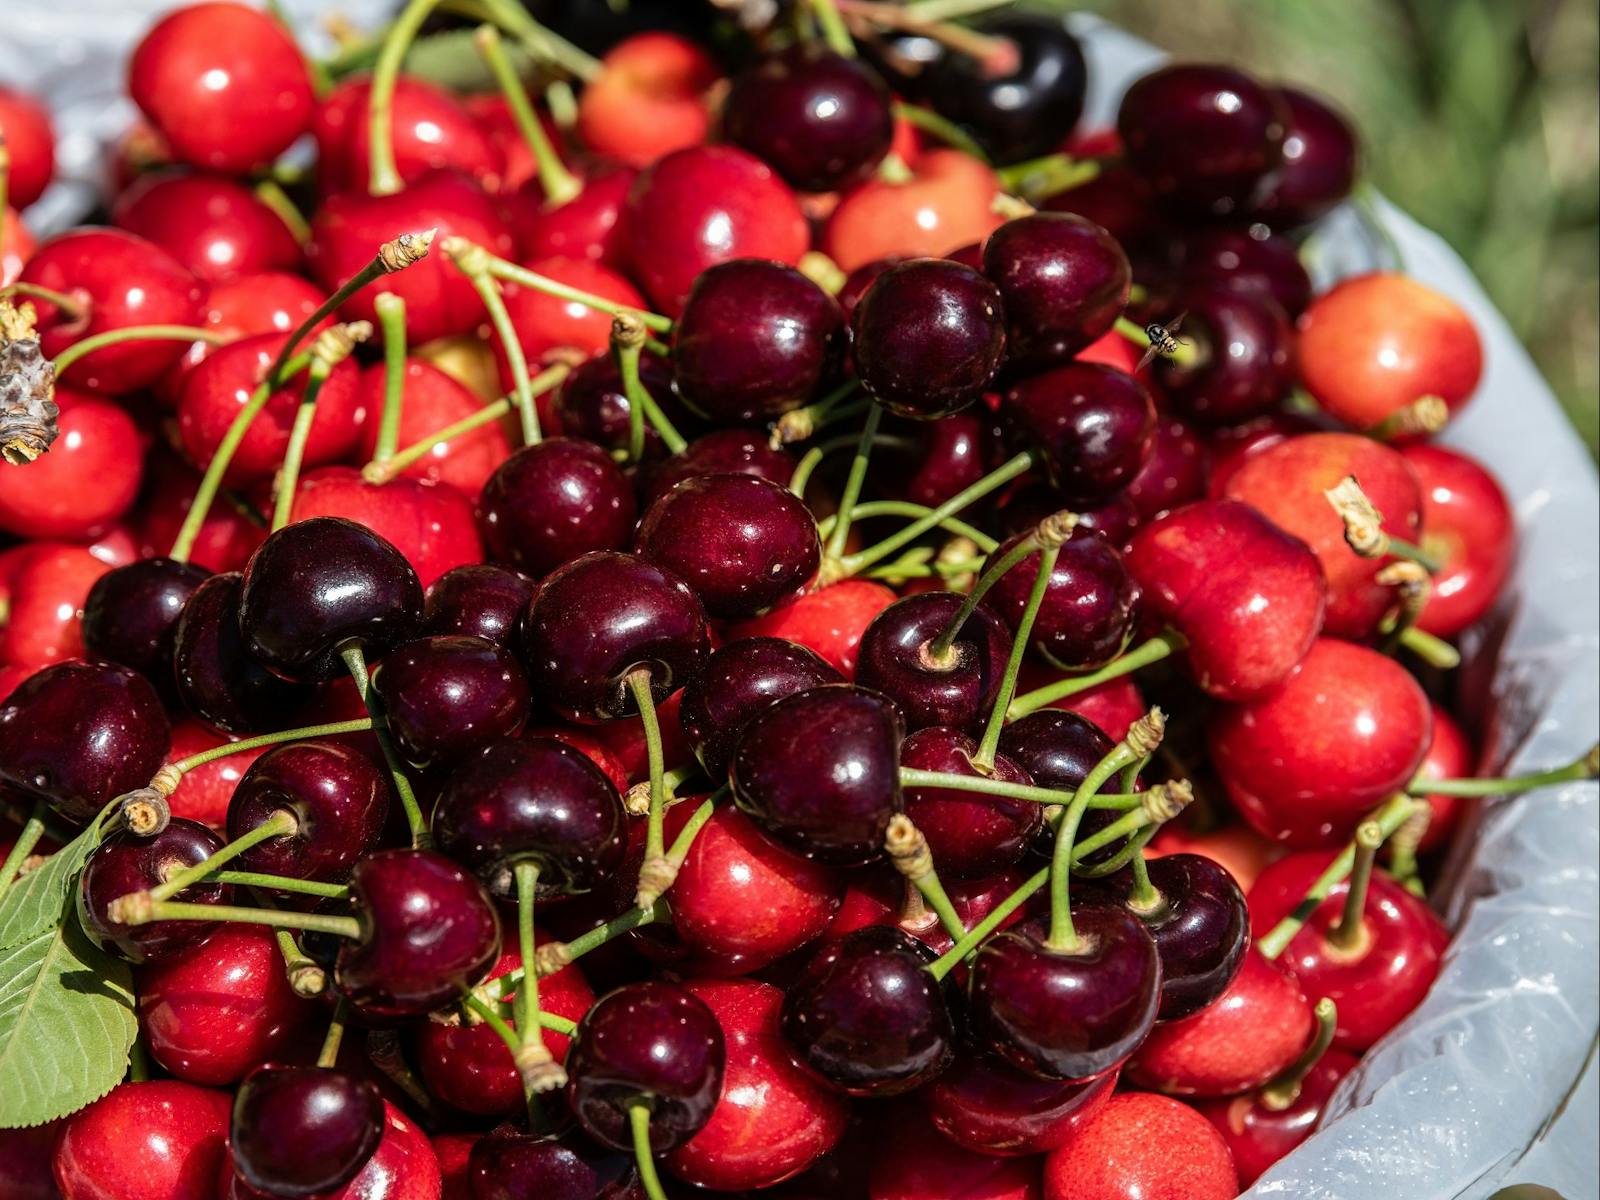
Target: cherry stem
point(1389, 817)
point(1042, 177)
point(945, 130)
point(176, 910)
point(983, 760)
point(383, 178)
point(908, 850)
point(801, 423)
point(558, 184)
point(1434, 651)
point(1283, 1089)
point(329, 1054)
point(988, 50)
point(1186, 355)
point(531, 1054)
point(27, 838)
point(306, 977)
point(914, 777)
point(1145, 899)
point(1132, 852)
point(852, 486)
point(832, 25)
point(510, 272)
point(1424, 416)
point(639, 1119)
point(540, 42)
point(939, 648)
point(905, 508)
point(391, 310)
point(1348, 931)
point(74, 309)
point(1585, 767)
point(1411, 552)
point(270, 193)
point(283, 883)
point(355, 662)
point(1163, 644)
point(294, 453)
point(627, 343)
point(133, 333)
point(184, 765)
point(644, 700)
point(279, 824)
point(471, 260)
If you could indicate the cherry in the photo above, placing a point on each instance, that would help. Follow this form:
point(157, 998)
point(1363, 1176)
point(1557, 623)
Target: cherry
point(1319, 162)
point(403, 1167)
point(1143, 1147)
point(648, 99)
point(740, 679)
point(654, 1044)
point(89, 478)
point(315, 586)
point(217, 228)
point(1451, 755)
point(1231, 446)
point(1371, 346)
point(132, 612)
point(444, 697)
point(704, 205)
point(1091, 425)
point(453, 1151)
point(1259, 1132)
point(479, 600)
point(943, 457)
point(50, 586)
point(971, 836)
point(429, 931)
point(1117, 198)
point(243, 306)
point(117, 280)
point(721, 452)
point(1238, 848)
point(301, 1131)
point(880, 897)
point(867, 1016)
point(1245, 355)
point(819, 771)
point(1089, 607)
point(200, 66)
point(592, 404)
point(1064, 281)
point(1058, 749)
point(203, 793)
point(946, 203)
point(79, 734)
point(1255, 1030)
point(1250, 260)
point(1470, 528)
point(533, 799)
point(432, 400)
point(985, 1105)
point(430, 129)
point(338, 798)
point(829, 621)
point(920, 1164)
point(157, 1140)
point(601, 617)
point(1207, 138)
point(16, 242)
point(31, 141)
point(1173, 475)
point(1287, 481)
point(1379, 977)
point(26, 1154)
point(545, 323)
point(510, 1165)
point(896, 658)
point(125, 863)
point(553, 501)
point(212, 1012)
point(1248, 597)
point(929, 337)
point(587, 226)
point(217, 680)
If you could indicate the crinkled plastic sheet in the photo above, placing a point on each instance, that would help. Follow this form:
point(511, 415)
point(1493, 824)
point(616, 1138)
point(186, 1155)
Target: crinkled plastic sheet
point(1490, 1082)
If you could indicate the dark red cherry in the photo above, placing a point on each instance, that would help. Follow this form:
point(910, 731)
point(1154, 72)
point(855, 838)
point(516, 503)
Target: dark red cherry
point(818, 119)
point(820, 772)
point(337, 796)
point(1174, 474)
point(317, 585)
point(745, 545)
point(216, 227)
point(508, 1164)
point(78, 734)
point(896, 657)
point(937, 460)
point(27, 1170)
point(444, 697)
point(1260, 1133)
point(1064, 281)
point(912, 1160)
point(929, 337)
point(1025, 107)
point(651, 1043)
point(217, 681)
point(532, 799)
point(429, 932)
point(740, 679)
point(1118, 198)
point(971, 836)
point(1091, 426)
point(1320, 157)
point(602, 616)
point(1246, 353)
point(553, 501)
point(1090, 604)
point(1251, 260)
point(867, 1016)
point(986, 1105)
point(405, 1166)
point(301, 1131)
point(756, 339)
point(478, 600)
point(723, 452)
point(1208, 138)
point(123, 864)
point(1067, 1015)
point(591, 403)
point(1057, 748)
point(131, 616)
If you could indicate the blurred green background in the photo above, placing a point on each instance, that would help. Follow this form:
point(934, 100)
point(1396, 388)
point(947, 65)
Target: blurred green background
point(1480, 117)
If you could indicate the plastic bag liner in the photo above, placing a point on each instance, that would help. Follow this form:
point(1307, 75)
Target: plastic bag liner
point(1491, 1081)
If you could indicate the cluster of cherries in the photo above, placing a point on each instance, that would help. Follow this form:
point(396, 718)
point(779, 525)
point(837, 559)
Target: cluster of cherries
point(779, 460)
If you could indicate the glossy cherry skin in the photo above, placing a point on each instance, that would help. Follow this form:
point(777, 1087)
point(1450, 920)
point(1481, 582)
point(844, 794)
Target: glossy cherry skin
point(50, 584)
point(1058, 749)
point(79, 734)
point(1469, 526)
point(25, 125)
point(120, 281)
point(1092, 427)
point(89, 478)
point(1248, 597)
point(217, 680)
point(1143, 1147)
point(1320, 158)
point(430, 129)
point(592, 405)
point(740, 679)
point(587, 226)
point(602, 616)
point(1089, 607)
point(429, 931)
point(201, 66)
point(986, 1105)
point(929, 337)
point(158, 1140)
point(337, 796)
point(1063, 281)
point(1207, 138)
point(444, 697)
point(651, 1042)
point(545, 323)
point(943, 457)
point(1259, 1135)
point(1173, 475)
point(867, 1016)
point(243, 306)
point(819, 772)
point(301, 1131)
point(773, 1119)
point(705, 205)
point(1383, 976)
point(510, 1165)
point(971, 836)
point(947, 203)
point(315, 586)
point(431, 399)
point(532, 799)
point(1250, 261)
point(132, 612)
point(217, 228)
point(403, 1167)
point(721, 452)
point(895, 658)
point(553, 501)
point(756, 338)
point(830, 620)
point(211, 1013)
point(480, 600)
point(1246, 355)
point(123, 863)
point(648, 98)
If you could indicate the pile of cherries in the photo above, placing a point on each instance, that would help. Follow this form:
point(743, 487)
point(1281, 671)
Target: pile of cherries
point(656, 640)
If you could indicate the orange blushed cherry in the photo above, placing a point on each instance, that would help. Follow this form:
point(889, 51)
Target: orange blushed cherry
point(648, 100)
point(946, 204)
point(1143, 1147)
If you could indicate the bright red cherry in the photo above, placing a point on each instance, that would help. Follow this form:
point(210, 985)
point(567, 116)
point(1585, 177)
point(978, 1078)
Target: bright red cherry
point(403, 1167)
point(1260, 1131)
point(830, 620)
point(919, 1164)
point(203, 793)
point(545, 323)
point(1242, 851)
point(226, 537)
point(31, 141)
point(16, 245)
point(160, 1140)
point(432, 400)
point(217, 228)
point(1451, 755)
point(946, 203)
point(430, 129)
point(882, 897)
point(1320, 157)
point(261, 302)
point(648, 99)
point(88, 479)
point(48, 592)
point(587, 226)
point(1470, 528)
point(1143, 1147)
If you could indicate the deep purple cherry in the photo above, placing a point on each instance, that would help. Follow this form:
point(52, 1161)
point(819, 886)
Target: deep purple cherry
point(1320, 158)
point(867, 1016)
point(131, 615)
point(898, 657)
point(125, 863)
point(740, 679)
point(990, 1107)
point(1251, 260)
point(302, 1131)
point(508, 1164)
point(972, 836)
point(477, 600)
point(1059, 749)
point(1173, 475)
point(1245, 361)
point(216, 680)
point(721, 452)
point(553, 501)
point(339, 800)
point(444, 697)
point(1089, 608)
point(1064, 281)
point(820, 772)
point(1090, 424)
point(592, 404)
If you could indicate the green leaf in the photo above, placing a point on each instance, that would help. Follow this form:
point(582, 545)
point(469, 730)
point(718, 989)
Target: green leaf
point(66, 1025)
point(36, 902)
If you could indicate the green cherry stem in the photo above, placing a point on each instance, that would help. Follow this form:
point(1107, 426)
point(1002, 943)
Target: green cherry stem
point(1434, 651)
point(905, 508)
point(177, 770)
point(1152, 651)
point(356, 663)
point(329, 1054)
point(1585, 767)
point(639, 1121)
point(138, 909)
point(939, 650)
point(1283, 1089)
point(832, 25)
point(282, 883)
point(472, 261)
point(538, 1068)
point(1131, 852)
point(1346, 933)
point(281, 824)
point(627, 343)
point(1145, 899)
point(383, 178)
point(306, 977)
point(834, 550)
point(70, 307)
point(294, 453)
point(799, 424)
point(558, 184)
point(27, 838)
point(540, 42)
point(391, 310)
point(914, 777)
point(946, 131)
point(1038, 178)
point(271, 193)
point(908, 851)
point(510, 272)
point(655, 874)
point(133, 333)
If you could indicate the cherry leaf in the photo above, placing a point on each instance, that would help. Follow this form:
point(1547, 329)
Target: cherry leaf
point(35, 902)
